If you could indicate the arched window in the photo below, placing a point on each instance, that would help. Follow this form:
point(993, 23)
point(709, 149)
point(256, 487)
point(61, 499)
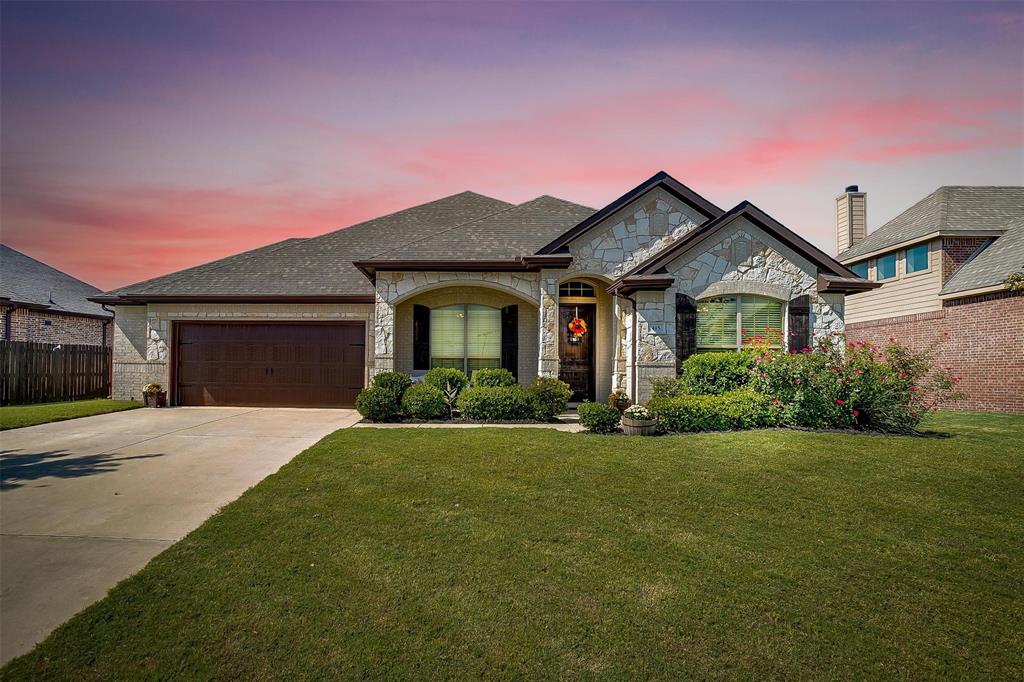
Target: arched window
point(575, 289)
point(730, 322)
point(465, 336)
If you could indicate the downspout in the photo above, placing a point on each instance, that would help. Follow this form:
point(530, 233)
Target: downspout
point(110, 369)
point(632, 347)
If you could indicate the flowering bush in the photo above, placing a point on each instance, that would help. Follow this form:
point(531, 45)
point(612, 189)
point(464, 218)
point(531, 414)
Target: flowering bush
point(637, 412)
point(856, 385)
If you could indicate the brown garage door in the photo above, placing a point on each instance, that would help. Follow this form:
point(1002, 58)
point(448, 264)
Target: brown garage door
point(269, 365)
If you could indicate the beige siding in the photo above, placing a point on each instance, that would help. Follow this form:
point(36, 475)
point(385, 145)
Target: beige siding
point(528, 320)
point(851, 219)
point(905, 295)
point(842, 223)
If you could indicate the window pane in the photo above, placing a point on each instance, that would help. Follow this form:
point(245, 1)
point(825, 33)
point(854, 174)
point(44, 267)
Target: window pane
point(886, 266)
point(761, 317)
point(484, 333)
point(861, 269)
point(917, 258)
point(447, 336)
point(716, 323)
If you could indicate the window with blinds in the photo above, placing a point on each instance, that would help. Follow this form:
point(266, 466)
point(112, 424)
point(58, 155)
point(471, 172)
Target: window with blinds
point(723, 323)
point(465, 337)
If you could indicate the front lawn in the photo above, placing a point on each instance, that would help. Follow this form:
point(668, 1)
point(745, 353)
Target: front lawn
point(423, 553)
point(17, 416)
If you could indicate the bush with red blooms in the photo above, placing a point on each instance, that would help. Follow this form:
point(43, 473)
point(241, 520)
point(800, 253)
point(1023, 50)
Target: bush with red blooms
point(852, 385)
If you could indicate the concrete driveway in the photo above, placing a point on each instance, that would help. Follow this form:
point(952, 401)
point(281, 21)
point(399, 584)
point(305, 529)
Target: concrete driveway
point(86, 503)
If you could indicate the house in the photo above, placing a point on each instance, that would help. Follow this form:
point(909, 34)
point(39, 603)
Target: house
point(45, 305)
point(943, 266)
point(469, 281)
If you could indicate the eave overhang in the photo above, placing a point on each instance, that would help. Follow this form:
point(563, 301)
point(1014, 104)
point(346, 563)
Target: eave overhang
point(630, 285)
point(143, 299)
point(370, 268)
point(831, 284)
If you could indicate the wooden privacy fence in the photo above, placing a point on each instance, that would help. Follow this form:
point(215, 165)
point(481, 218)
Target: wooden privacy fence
point(45, 372)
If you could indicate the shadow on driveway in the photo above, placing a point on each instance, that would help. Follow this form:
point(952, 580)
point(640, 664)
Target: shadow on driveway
point(16, 469)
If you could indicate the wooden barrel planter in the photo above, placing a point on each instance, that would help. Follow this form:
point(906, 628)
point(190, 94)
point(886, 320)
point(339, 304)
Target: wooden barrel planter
point(638, 427)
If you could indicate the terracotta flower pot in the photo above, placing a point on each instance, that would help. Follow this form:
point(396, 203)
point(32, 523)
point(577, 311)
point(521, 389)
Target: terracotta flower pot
point(638, 427)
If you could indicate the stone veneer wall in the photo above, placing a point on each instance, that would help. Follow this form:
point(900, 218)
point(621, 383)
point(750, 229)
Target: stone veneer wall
point(394, 287)
point(455, 295)
point(142, 333)
point(41, 326)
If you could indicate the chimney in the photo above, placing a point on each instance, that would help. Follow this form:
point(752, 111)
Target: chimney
point(851, 217)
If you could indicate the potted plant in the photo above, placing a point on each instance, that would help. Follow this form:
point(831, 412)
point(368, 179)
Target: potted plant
point(619, 400)
point(637, 421)
point(154, 395)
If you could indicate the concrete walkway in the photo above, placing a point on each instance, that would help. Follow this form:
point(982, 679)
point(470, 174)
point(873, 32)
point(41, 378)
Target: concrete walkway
point(86, 503)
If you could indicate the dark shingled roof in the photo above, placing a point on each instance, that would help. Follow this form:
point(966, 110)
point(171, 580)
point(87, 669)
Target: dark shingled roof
point(993, 264)
point(508, 234)
point(948, 209)
point(318, 266)
point(25, 280)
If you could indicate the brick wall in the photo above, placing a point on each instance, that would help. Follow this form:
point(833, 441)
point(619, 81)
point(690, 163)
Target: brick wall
point(45, 327)
point(956, 251)
point(985, 346)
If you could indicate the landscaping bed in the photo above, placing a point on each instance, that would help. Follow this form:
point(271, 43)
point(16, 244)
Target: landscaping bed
point(430, 554)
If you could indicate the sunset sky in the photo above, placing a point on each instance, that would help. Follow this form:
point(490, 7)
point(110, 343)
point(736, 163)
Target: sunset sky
point(141, 138)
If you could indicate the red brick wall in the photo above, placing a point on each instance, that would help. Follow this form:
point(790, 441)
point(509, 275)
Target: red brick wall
point(31, 325)
point(956, 251)
point(985, 346)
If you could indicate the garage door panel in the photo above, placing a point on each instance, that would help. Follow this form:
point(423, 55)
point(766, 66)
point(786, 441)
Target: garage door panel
point(270, 364)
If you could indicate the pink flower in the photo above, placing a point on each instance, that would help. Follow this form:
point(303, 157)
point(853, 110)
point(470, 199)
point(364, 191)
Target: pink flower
point(840, 402)
point(805, 349)
point(856, 413)
point(913, 388)
point(796, 381)
point(857, 372)
point(883, 377)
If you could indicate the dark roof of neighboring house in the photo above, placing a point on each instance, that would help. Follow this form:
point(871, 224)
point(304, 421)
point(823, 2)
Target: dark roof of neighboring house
point(657, 262)
point(318, 266)
point(659, 179)
point(992, 265)
point(26, 281)
point(947, 210)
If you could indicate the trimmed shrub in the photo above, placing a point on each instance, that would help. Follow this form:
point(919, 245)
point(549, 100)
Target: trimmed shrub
point(715, 373)
point(395, 382)
point(733, 410)
point(378, 404)
point(440, 377)
point(495, 403)
point(493, 376)
point(423, 402)
point(598, 417)
point(549, 397)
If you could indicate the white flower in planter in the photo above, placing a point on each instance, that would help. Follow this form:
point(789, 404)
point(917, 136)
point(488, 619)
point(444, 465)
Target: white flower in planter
point(637, 412)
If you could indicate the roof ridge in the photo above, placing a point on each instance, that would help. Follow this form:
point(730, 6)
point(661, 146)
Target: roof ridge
point(445, 231)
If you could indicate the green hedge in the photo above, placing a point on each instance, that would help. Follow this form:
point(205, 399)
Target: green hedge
point(395, 382)
point(441, 377)
point(598, 417)
point(493, 376)
point(708, 374)
point(495, 403)
point(549, 397)
point(733, 410)
point(378, 404)
point(423, 401)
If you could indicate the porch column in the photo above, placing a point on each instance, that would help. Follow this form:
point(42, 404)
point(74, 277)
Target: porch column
point(384, 325)
point(655, 341)
point(548, 324)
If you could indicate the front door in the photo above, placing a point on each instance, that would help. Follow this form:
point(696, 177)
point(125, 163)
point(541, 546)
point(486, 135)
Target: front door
point(576, 352)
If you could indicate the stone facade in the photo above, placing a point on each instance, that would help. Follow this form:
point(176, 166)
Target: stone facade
point(40, 326)
point(633, 234)
point(142, 334)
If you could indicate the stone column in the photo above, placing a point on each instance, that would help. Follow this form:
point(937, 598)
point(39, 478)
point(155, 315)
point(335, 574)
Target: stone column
point(548, 324)
point(827, 313)
point(655, 353)
point(384, 325)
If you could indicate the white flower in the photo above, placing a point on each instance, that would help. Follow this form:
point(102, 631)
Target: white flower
point(637, 412)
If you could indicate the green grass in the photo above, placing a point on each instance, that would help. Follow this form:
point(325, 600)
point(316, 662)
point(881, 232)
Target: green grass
point(17, 416)
point(537, 554)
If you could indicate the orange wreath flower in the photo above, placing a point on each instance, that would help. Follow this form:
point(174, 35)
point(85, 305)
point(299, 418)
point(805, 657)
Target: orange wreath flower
point(577, 327)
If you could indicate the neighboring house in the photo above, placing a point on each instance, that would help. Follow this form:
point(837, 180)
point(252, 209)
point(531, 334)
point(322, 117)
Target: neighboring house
point(469, 281)
point(43, 304)
point(943, 264)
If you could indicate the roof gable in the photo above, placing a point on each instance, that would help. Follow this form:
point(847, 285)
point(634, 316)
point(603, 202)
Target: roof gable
point(660, 179)
point(745, 209)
